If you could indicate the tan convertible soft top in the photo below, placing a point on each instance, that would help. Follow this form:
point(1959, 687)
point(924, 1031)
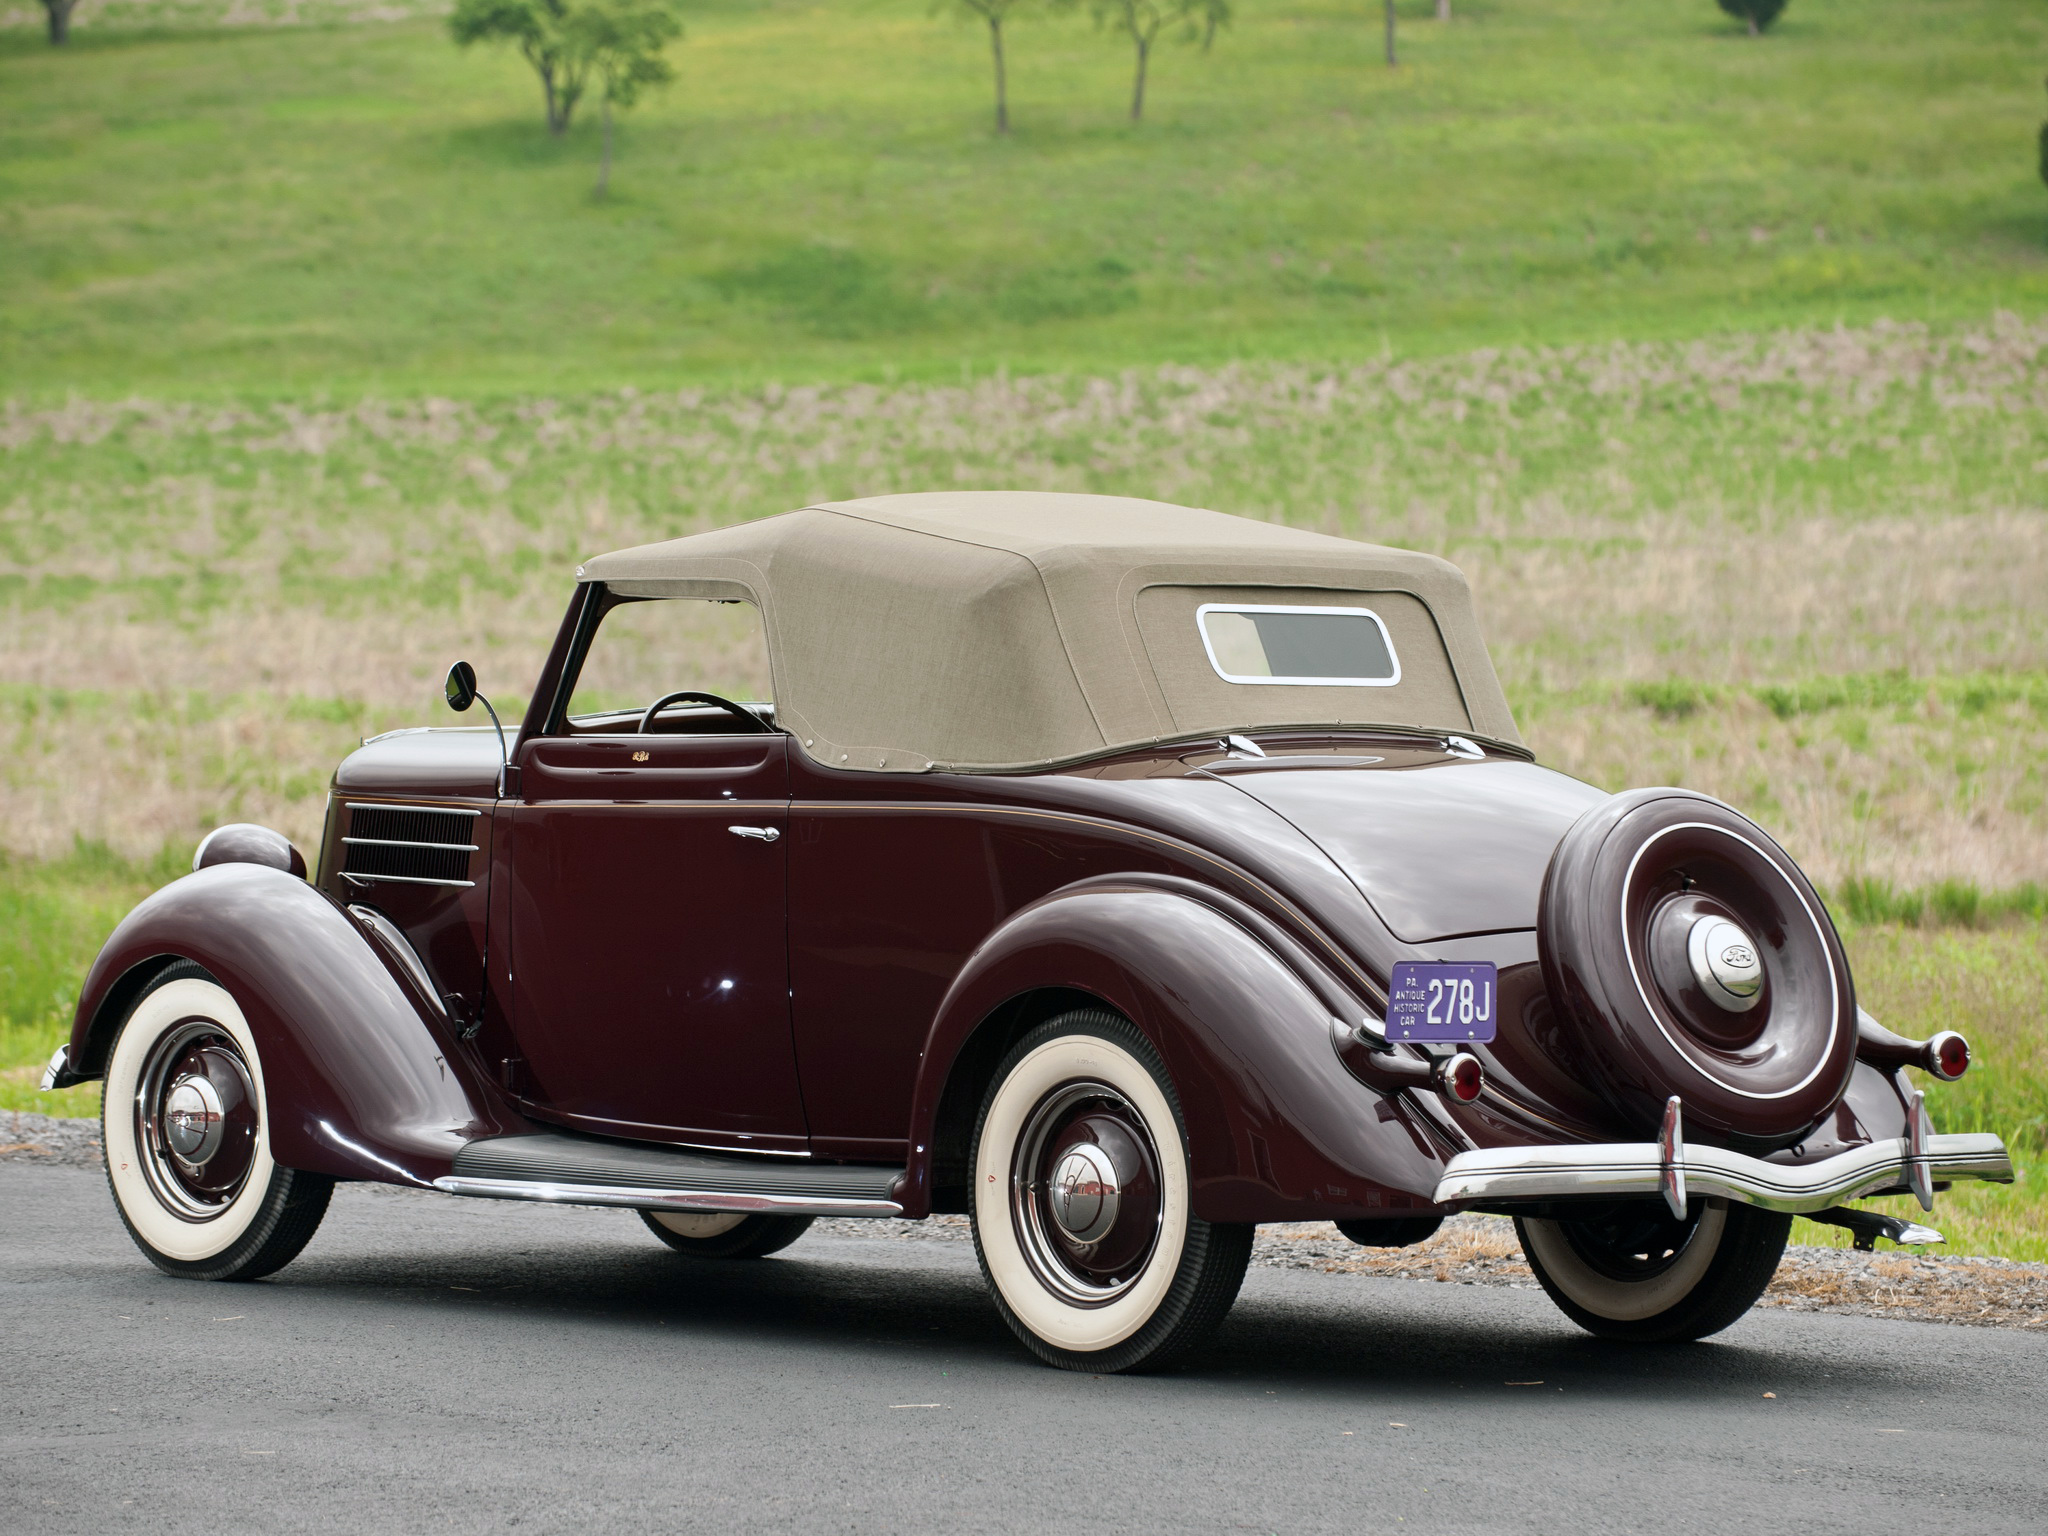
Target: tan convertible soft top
point(1011, 629)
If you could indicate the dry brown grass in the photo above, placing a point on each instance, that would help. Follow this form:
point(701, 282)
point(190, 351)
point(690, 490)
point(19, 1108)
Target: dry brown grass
point(1908, 795)
point(201, 607)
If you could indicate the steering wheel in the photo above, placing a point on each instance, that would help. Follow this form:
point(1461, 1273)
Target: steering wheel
point(753, 721)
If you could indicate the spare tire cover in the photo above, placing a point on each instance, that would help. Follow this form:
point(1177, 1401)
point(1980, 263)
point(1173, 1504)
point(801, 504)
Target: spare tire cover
point(1691, 957)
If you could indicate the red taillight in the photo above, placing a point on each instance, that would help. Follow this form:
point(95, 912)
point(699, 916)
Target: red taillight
point(1948, 1056)
point(1462, 1077)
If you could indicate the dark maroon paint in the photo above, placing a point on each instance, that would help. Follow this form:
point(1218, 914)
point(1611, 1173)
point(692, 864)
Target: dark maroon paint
point(887, 947)
point(651, 993)
point(363, 1084)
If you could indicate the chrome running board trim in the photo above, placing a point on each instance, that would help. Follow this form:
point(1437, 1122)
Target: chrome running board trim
point(665, 1199)
point(1506, 1174)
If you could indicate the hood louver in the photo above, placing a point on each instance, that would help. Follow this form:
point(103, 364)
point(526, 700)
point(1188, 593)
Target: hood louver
point(408, 845)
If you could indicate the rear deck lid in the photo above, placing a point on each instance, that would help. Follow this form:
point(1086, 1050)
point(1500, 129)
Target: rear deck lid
point(1441, 848)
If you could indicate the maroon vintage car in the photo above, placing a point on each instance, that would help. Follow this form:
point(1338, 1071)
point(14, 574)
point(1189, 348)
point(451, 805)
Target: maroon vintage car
point(1118, 874)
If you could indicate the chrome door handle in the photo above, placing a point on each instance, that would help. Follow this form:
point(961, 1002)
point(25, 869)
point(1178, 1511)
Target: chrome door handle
point(758, 834)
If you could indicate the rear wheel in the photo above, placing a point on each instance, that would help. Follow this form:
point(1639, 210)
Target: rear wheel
point(1633, 1271)
point(1082, 1215)
point(186, 1132)
point(725, 1234)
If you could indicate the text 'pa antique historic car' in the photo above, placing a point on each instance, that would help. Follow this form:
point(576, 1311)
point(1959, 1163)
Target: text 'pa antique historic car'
point(1117, 874)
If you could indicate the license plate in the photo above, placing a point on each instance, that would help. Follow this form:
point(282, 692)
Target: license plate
point(1451, 1003)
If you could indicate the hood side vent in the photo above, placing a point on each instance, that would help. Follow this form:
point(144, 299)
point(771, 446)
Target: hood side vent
point(408, 845)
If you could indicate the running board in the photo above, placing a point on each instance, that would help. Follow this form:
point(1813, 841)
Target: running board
point(579, 1170)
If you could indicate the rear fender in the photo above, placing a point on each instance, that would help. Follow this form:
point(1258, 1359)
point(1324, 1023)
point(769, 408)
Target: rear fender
point(1277, 1128)
point(360, 1076)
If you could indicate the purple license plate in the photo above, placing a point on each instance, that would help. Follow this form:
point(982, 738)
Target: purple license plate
point(1442, 1002)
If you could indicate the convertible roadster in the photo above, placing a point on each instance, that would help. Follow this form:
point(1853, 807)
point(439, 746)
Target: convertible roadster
point(1117, 874)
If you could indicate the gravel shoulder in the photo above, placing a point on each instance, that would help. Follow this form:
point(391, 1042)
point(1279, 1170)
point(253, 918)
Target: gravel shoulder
point(1469, 1250)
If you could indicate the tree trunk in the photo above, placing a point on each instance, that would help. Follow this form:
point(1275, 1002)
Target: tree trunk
point(1391, 60)
point(995, 43)
point(60, 20)
point(1138, 85)
point(1754, 29)
point(547, 85)
point(604, 172)
point(1443, 10)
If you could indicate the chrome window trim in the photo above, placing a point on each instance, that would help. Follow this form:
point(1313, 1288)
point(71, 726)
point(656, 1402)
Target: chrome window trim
point(1202, 629)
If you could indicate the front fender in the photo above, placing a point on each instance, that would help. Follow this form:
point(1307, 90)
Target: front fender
point(1277, 1128)
point(361, 1083)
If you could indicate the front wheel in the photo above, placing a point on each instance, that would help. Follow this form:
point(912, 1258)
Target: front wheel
point(186, 1132)
point(1082, 1216)
point(1633, 1271)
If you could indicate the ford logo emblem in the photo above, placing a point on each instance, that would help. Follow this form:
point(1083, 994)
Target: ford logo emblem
point(1739, 957)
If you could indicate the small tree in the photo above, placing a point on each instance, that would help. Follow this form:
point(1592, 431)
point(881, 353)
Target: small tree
point(2044, 150)
point(1758, 14)
point(60, 19)
point(621, 40)
point(1143, 20)
point(541, 29)
point(994, 13)
point(1391, 59)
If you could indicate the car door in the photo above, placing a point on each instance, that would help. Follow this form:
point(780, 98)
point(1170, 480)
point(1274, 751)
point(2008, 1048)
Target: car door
point(649, 932)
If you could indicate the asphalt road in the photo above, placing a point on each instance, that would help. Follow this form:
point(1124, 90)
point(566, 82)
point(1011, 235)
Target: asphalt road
point(434, 1364)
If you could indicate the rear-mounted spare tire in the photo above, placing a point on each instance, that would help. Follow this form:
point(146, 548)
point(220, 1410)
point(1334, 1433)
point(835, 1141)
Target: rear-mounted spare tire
point(1692, 957)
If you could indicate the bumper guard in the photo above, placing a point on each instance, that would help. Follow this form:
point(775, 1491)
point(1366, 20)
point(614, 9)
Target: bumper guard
point(58, 1073)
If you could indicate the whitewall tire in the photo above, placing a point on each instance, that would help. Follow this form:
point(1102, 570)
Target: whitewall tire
point(184, 1123)
point(1083, 1216)
point(1633, 1271)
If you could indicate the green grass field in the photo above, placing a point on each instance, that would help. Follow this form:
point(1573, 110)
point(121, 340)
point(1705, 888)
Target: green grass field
point(1719, 365)
point(206, 211)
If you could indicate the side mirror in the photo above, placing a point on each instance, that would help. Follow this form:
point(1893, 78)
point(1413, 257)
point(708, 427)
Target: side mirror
point(460, 687)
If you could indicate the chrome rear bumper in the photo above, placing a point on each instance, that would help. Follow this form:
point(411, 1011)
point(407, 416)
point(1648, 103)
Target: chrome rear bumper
point(1504, 1175)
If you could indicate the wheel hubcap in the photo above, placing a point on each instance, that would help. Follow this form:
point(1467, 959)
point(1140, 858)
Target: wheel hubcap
point(196, 1120)
point(193, 1120)
point(1085, 1193)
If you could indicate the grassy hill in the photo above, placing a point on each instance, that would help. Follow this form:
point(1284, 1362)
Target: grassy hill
point(207, 209)
point(319, 366)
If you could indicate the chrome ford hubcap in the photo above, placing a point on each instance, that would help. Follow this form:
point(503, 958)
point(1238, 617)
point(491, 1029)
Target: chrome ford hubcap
point(1084, 1193)
point(1725, 963)
point(192, 1119)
